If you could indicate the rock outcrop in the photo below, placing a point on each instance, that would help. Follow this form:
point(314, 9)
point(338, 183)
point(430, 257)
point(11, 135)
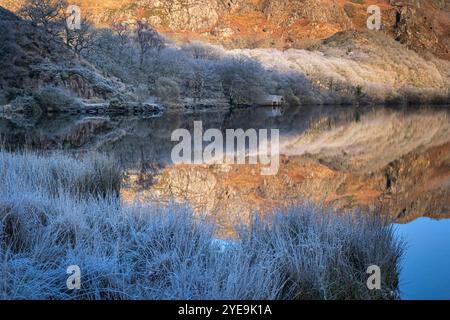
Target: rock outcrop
point(419, 24)
point(32, 60)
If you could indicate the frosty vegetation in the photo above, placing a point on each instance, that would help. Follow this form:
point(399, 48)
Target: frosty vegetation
point(57, 211)
point(338, 70)
point(388, 74)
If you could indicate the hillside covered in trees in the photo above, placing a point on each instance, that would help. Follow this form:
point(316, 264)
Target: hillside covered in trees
point(126, 65)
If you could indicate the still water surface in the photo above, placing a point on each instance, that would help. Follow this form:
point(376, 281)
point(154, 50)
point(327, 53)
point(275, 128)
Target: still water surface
point(426, 265)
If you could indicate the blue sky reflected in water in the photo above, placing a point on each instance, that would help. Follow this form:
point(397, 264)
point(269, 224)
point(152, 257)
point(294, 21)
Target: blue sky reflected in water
point(426, 264)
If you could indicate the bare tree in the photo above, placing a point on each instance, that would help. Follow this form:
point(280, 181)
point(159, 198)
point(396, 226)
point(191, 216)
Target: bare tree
point(196, 84)
point(201, 51)
point(80, 39)
point(121, 29)
point(244, 81)
point(48, 14)
point(147, 38)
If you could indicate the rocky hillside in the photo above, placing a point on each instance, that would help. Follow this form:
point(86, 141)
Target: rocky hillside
point(384, 68)
point(329, 71)
point(419, 24)
point(32, 60)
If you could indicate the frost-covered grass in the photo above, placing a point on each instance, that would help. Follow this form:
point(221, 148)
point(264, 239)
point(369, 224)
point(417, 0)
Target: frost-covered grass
point(56, 211)
point(95, 175)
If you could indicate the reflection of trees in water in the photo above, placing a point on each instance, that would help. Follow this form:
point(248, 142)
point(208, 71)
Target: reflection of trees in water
point(130, 135)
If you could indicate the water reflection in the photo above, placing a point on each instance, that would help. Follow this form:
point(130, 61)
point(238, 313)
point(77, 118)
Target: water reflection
point(394, 160)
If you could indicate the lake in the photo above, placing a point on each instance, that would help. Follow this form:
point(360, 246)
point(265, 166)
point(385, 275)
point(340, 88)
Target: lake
point(374, 159)
point(426, 265)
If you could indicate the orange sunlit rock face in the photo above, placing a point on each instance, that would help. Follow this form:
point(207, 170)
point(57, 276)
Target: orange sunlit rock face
point(421, 25)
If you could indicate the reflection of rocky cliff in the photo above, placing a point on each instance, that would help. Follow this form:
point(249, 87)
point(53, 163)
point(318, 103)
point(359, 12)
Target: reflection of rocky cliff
point(391, 161)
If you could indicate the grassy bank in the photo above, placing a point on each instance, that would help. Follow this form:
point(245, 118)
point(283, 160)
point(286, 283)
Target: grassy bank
point(56, 211)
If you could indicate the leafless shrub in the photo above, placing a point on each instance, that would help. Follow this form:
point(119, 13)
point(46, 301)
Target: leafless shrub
point(54, 99)
point(147, 38)
point(47, 14)
point(167, 89)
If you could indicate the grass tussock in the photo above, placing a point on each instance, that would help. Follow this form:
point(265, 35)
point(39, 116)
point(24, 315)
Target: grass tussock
point(95, 175)
point(49, 222)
